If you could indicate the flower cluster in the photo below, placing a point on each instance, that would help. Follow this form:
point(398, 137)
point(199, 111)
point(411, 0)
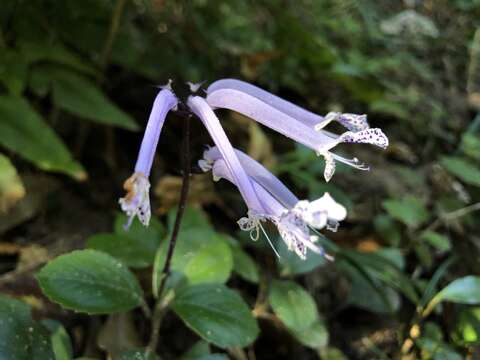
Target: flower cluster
point(266, 197)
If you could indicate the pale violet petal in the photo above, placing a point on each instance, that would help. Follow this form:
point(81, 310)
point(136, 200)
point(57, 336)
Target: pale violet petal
point(203, 110)
point(271, 117)
point(164, 102)
point(260, 174)
point(307, 117)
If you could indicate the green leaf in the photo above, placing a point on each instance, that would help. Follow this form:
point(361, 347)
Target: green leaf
point(24, 132)
point(465, 170)
point(90, 281)
point(315, 336)
point(388, 229)
point(81, 97)
point(436, 240)
point(137, 253)
point(201, 348)
point(293, 305)
point(152, 233)
point(467, 327)
point(20, 337)
point(366, 291)
point(243, 264)
point(201, 255)
point(11, 186)
point(217, 314)
point(409, 210)
point(381, 267)
point(61, 343)
point(193, 218)
point(470, 145)
point(465, 290)
point(54, 53)
point(13, 71)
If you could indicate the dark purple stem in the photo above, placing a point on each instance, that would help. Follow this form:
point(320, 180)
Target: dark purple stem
point(159, 308)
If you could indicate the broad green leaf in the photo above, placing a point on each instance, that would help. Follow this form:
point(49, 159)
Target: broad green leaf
point(409, 210)
point(24, 132)
point(201, 255)
point(315, 336)
point(201, 348)
point(217, 314)
point(465, 290)
point(20, 337)
point(138, 355)
point(13, 71)
point(438, 241)
point(11, 186)
point(152, 233)
point(243, 264)
point(137, 253)
point(193, 218)
point(293, 305)
point(83, 98)
point(465, 170)
point(61, 343)
point(57, 54)
point(210, 264)
point(90, 281)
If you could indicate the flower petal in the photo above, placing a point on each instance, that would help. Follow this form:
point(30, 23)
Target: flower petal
point(259, 173)
point(370, 136)
point(164, 102)
point(307, 117)
point(267, 115)
point(203, 110)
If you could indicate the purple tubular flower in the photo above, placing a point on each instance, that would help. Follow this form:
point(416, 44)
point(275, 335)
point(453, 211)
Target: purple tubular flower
point(295, 122)
point(255, 170)
point(292, 217)
point(137, 200)
point(200, 107)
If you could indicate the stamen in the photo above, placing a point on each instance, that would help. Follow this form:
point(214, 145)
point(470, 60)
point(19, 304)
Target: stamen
point(329, 165)
point(352, 162)
point(269, 241)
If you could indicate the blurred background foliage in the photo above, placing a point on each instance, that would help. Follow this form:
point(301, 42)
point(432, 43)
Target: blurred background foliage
point(77, 80)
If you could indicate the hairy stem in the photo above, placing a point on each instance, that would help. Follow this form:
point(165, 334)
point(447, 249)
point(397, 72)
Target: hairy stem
point(162, 303)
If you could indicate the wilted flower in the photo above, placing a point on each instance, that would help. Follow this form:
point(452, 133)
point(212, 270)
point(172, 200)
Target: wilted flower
point(293, 218)
point(295, 122)
point(137, 200)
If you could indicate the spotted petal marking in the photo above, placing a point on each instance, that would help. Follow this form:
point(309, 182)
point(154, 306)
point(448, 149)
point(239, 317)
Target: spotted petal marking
point(352, 122)
point(373, 136)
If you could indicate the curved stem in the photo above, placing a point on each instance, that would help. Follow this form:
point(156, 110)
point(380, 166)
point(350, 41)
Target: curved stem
point(162, 303)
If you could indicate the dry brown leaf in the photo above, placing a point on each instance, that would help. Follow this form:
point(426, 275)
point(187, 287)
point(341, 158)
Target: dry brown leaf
point(201, 191)
point(118, 334)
